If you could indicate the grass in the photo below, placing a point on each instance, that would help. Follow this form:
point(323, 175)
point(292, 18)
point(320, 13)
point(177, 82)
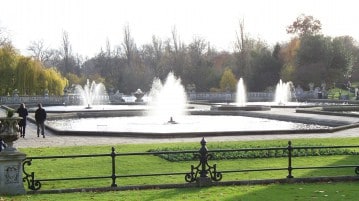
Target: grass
point(299, 192)
point(60, 168)
point(335, 93)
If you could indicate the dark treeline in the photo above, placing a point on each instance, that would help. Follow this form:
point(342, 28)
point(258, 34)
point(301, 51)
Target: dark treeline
point(308, 58)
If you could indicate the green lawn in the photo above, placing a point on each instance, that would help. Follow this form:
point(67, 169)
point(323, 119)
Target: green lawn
point(76, 167)
point(274, 192)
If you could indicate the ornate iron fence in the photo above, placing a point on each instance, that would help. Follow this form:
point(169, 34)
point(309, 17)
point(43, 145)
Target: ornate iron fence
point(202, 172)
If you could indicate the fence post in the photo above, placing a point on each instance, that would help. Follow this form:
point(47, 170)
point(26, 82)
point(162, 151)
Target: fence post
point(203, 168)
point(113, 156)
point(203, 179)
point(290, 149)
point(203, 158)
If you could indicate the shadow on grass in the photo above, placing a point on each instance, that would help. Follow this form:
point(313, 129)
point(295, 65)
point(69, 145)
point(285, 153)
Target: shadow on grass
point(272, 192)
point(309, 191)
point(299, 191)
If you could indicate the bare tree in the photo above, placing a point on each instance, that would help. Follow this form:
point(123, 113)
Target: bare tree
point(3, 38)
point(53, 58)
point(197, 69)
point(240, 37)
point(174, 38)
point(66, 51)
point(178, 56)
point(62, 58)
point(152, 55)
point(157, 46)
point(198, 46)
point(108, 48)
point(242, 45)
point(39, 51)
point(128, 45)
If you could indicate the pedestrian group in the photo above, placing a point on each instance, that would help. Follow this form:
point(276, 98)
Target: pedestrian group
point(40, 117)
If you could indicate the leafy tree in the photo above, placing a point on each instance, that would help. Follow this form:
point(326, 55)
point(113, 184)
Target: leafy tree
point(56, 83)
point(27, 75)
point(228, 81)
point(8, 59)
point(266, 69)
point(314, 49)
point(309, 57)
point(287, 56)
point(313, 58)
point(305, 25)
point(73, 79)
point(34, 79)
point(22, 75)
point(345, 57)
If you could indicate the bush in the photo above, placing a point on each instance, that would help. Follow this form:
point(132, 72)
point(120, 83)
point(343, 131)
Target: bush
point(175, 157)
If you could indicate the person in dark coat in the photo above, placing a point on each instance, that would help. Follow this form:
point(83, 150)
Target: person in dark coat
point(22, 111)
point(40, 117)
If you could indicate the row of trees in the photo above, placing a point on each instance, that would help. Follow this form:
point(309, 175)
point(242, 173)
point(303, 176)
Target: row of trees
point(309, 57)
point(25, 75)
point(314, 58)
point(319, 59)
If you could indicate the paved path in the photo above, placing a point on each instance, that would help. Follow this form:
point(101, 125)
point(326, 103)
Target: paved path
point(55, 141)
point(51, 140)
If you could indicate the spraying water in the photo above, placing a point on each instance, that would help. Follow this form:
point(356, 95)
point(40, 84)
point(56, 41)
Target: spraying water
point(167, 101)
point(241, 98)
point(283, 93)
point(92, 94)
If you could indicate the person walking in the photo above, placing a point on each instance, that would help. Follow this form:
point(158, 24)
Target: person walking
point(40, 117)
point(22, 111)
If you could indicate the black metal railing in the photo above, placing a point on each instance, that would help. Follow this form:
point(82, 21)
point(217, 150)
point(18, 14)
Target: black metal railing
point(203, 171)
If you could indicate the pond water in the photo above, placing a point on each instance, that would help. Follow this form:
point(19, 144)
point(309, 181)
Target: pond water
point(190, 123)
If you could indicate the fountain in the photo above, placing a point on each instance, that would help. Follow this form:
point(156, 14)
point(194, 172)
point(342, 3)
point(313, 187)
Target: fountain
point(167, 115)
point(241, 101)
point(283, 93)
point(241, 97)
point(92, 94)
point(167, 101)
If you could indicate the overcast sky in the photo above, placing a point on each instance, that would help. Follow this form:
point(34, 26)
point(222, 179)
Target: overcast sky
point(90, 23)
